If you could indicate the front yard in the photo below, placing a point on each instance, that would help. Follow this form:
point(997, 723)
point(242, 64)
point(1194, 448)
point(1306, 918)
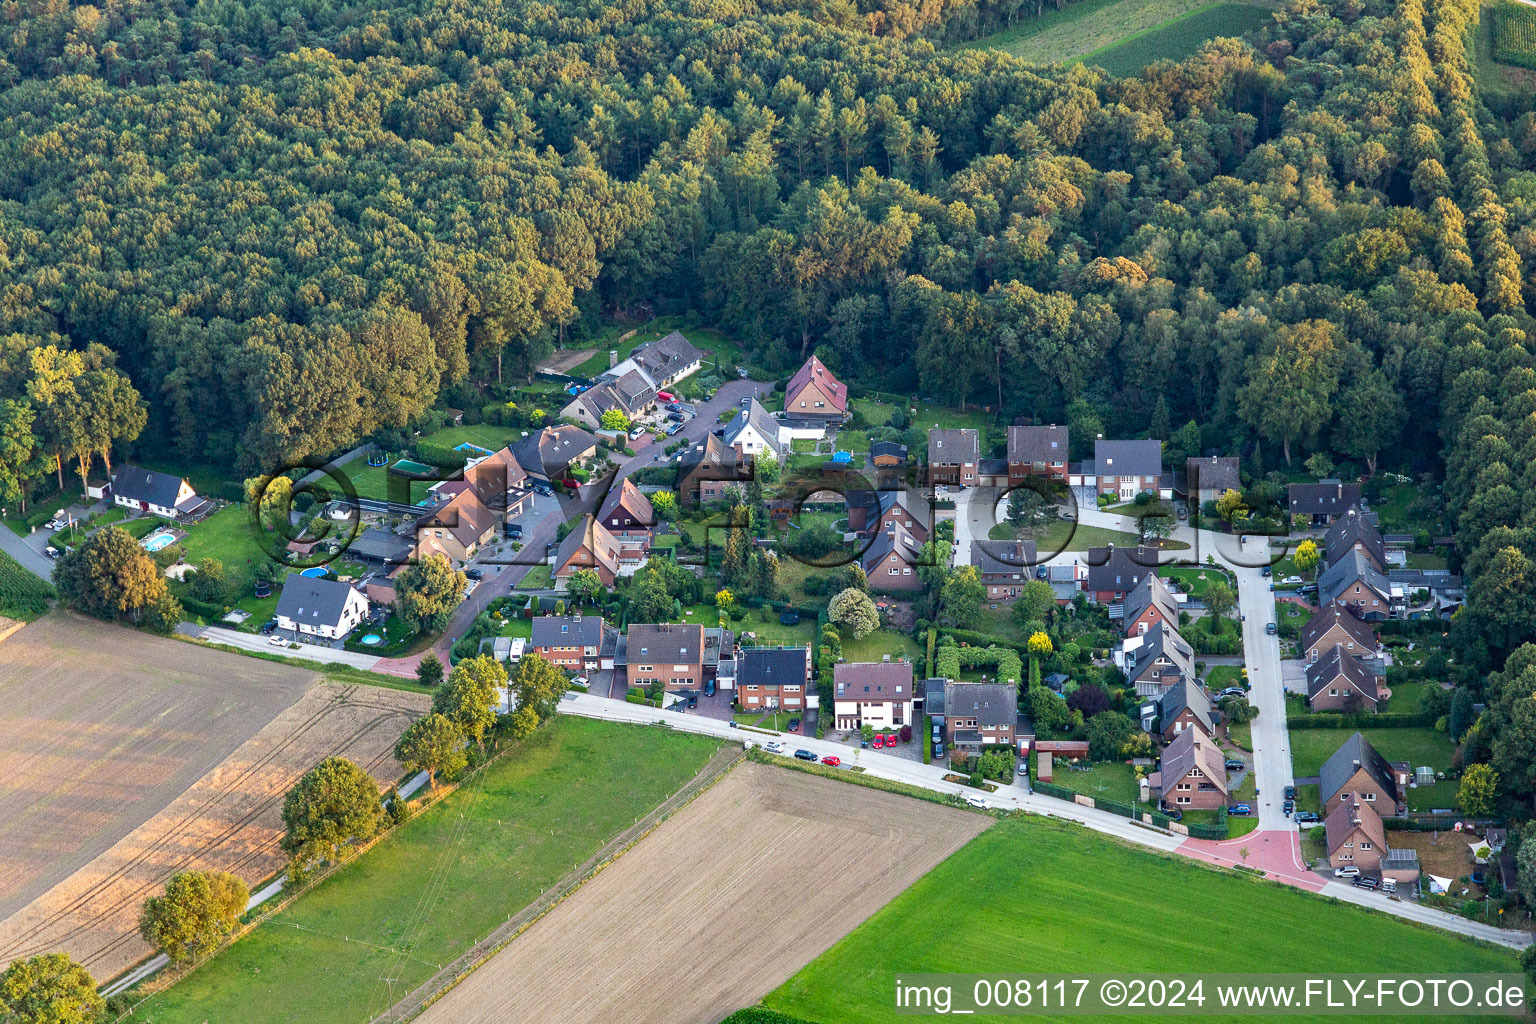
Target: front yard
point(1418, 746)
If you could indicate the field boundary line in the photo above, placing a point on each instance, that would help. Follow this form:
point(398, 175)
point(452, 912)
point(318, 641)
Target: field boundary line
point(415, 1003)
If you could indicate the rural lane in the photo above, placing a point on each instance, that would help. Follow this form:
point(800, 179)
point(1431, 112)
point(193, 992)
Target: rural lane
point(1015, 797)
point(39, 565)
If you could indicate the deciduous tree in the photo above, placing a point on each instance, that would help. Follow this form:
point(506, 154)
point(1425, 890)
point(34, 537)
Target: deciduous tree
point(434, 745)
point(427, 593)
point(853, 611)
point(333, 807)
point(194, 913)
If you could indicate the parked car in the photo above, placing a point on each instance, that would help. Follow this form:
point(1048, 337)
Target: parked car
point(581, 681)
point(794, 724)
point(52, 552)
point(1234, 765)
point(634, 435)
point(806, 755)
point(514, 531)
point(1290, 792)
point(747, 400)
point(709, 688)
point(831, 760)
point(1389, 885)
point(269, 626)
point(543, 489)
point(1265, 571)
point(1347, 871)
point(1290, 581)
point(1232, 691)
point(774, 747)
point(890, 741)
point(1240, 809)
point(675, 417)
point(674, 428)
point(474, 574)
point(674, 407)
point(1306, 818)
point(741, 371)
point(1366, 882)
point(1288, 806)
point(879, 743)
point(278, 641)
point(1310, 588)
point(693, 700)
point(979, 802)
point(1271, 628)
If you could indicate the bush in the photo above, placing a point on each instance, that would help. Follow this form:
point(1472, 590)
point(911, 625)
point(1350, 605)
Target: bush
point(1360, 720)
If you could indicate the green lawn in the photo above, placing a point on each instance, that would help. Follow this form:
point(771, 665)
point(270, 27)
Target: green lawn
point(706, 339)
point(1178, 38)
point(1063, 535)
point(540, 577)
point(872, 646)
point(1421, 746)
point(378, 483)
point(1075, 901)
point(770, 631)
point(1197, 578)
point(1222, 676)
point(1109, 780)
point(448, 877)
point(485, 435)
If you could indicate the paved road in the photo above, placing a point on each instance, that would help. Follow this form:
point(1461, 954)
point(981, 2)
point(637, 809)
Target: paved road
point(308, 652)
point(1015, 797)
point(23, 552)
point(968, 519)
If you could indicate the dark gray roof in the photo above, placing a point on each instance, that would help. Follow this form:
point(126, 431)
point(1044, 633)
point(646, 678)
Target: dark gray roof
point(313, 602)
point(771, 666)
point(760, 419)
point(1037, 444)
point(380, 546)
point(1439, 581)
point(1339, 576)
point(1215, 473)
point(664, 358)
point(1335, 665)
point(1337, 770)
point(1128, 458)
point(1119, 568)
point(1005, 558)
point(885, 542)
point(1351, 530)
point(910, 499)
point(953, 447)
point(1151, 590)
point(672, 642)
point(1326, 497)
point(1189, 750)
point(551, 449)
point(567, 631)
point(1161, 641)
point(146, 485)
point(933, 696)
point(888, 448)
point(1186, 693)
point(991, 704)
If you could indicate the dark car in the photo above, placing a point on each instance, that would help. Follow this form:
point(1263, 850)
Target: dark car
point(675, 417)
point(693, 700)
point(794, 723)
point(543, 489)
point(269, 626)
point(474, 574)
point(674, 407)
point(1305, 817)
point(1240, 809)
point(709, 688)
point(1288, 806)
point(514, 531)
point(1265, 571)
point(1290, 792)
point(1271, 628)
point(1234, 765)
point(1366, 882)
point(1310, 588)
point(806, 755)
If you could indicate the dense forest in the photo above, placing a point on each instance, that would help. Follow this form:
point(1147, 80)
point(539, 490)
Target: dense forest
point(290, 224)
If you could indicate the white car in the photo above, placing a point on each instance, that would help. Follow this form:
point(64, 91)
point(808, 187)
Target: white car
point(277, 641)
point(978, 802)
point(774, 747)
point(580, 681)
point(1289, 580)
point(1347, 871)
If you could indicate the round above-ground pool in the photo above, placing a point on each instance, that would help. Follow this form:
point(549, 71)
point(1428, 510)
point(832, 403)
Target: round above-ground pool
point(155, 542)
point(314, 573)
point(372, 639)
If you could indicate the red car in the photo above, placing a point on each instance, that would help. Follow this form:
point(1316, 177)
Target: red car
point(890, 740)
point(571, 482)
point(832, 760)
point(879, 742)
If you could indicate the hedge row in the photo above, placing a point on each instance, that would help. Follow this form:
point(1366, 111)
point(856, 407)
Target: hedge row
point(1361, 720)
point(760, 1015)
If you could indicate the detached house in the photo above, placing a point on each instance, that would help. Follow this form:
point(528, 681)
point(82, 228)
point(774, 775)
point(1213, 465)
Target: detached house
point(588, 546)
point(1004, 566)
point(954, 457)
point(458, 529)
point(1209, 477)
point(1321, 503)
point(627, 510)
point(1157, 660)
point(631, 393)
point(1340, 682)
point(708, 470)
point(321, 608)
point(1192, 775)
point(1356, 770)
point(545, 455)
point(665, 361)
point(573, 642)
point(773, 677)
point(671, 654)
point(878, 694)
point(500, 483)
point(1356, 586)
point(1150, 603)
point(1114, 572)
point(753, 431)
point(891, 561)
point(1127, 468)
point(1354, 531)
point(1037, 451)
point(981, 714)
point(814, 395)
point(159, 494)
point(1185, 706)
point(1356, 835)
point(887, 510)
point(1334, 627)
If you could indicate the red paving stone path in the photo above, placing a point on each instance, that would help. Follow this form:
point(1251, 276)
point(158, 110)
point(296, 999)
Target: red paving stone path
point(1275, 852)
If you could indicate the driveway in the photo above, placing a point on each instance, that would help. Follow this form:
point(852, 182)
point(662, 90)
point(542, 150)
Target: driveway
point(973, 518)
point(307, 652)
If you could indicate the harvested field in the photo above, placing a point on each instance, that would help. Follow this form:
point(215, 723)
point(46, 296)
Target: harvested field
point(127, 757)
point(723, 902)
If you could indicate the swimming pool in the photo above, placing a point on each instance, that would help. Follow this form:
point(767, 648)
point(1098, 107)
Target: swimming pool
point(467, 447)
point(413, 467)
point(156, 541)
point(373, 639)
point(314, 573)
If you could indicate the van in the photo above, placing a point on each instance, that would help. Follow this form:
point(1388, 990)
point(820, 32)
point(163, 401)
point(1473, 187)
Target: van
point(1389, 885)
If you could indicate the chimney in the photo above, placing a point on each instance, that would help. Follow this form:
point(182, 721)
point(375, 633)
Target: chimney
point(613, 358)
point(1357, 765)
point(886, 658)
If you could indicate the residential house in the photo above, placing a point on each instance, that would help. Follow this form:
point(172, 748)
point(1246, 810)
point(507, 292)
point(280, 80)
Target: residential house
point(898, 508)
point(753, 431)
point(671, 654)
point(667, 360)
point(1114, 572)
point(980, 714)
point(1441, 590)
point(1037, 451)
point(500, 483)
point(1066, 581)
point(380, 546)
point(1339, 681)
point(891, 561)
point(1334, 627)
point(1357, 770)
point(1356, 835)
point(572, 642)
point(887, 454)
point(1209, 477)
point(627, 510)
point(709, 469)
point(588, 546)
point(878, 694)
point(1004, 566)
point(1354, 531)
point(1150, 602)
point(456, 530)
point(953, 457)
point(1358, 587)
point(1185, 706)
point(1128, 468)
point(1321, 503)
point(1192, 774)
point(326, 609)
point(545, 455)
point(813, 394)
point(631, 393)
point(774, 677)
point(159, 494)
point(1156, 660)
point(720, 656)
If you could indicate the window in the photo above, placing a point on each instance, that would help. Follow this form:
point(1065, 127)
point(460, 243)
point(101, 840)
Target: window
point(1370, 798)
point(1365, 846)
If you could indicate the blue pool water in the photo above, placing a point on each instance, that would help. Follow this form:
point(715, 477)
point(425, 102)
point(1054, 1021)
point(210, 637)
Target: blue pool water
point(373, 639)
point(157, 541)
point(467, 447)
point(314, 573)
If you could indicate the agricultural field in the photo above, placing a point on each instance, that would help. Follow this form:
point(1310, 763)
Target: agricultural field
point(101, 728)
point(725, 883)
point(443, 880)
point(1514, 34)
point(1498, 80)
point(1179, 38)
point(229, 820)
point(1082, 906)
point(22, 595)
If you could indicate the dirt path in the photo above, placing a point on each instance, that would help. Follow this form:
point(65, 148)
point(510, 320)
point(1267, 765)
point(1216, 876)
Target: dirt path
point(101, 727)
point(229, 820)
point(718, 906)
